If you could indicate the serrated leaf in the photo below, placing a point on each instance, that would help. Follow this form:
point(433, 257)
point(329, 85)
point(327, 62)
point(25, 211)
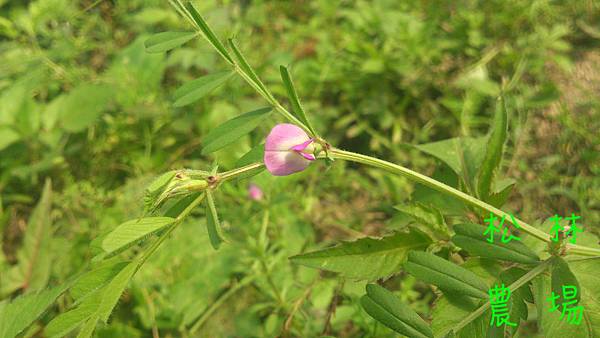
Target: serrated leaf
point(213, 225)
point(494, 151)
point(207, 32)
point(196, 89)
point(295, 101)
point(114, 290)
point(445, 275)
point(95, 279)
point(386, 308)
point(133, 231)
point(19, 314)
point(471, 238)
point(164, 41)
point(366, 258)
point(68, 321)
point(550, 323)
point(562, 276)
point(233, 129)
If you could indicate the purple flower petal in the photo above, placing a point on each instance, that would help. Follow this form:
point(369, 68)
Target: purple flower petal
point(254, 192)
point(281, 157)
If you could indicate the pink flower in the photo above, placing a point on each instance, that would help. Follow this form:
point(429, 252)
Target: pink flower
point(254, 192)
point(288, 150)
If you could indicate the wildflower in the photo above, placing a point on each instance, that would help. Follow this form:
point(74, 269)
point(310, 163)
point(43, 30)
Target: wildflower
point(288, 150)
point(254, 192)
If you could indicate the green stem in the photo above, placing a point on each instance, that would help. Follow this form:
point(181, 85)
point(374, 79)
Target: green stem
point(513, 287)
point(441, 187)
point(228, 175)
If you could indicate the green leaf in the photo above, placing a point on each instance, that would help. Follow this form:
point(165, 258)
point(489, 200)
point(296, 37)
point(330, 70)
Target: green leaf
point(445, 275)
point(518, 307)
point(152, 195)
point(35, 256)
point(213, 225)
point(114, 290)
point(95, 279)
point(233, 129)
point(550, 323)
point(19, 314)
point(207, 32)
point(165, 41)
point(254, 155)
point(83, 105)
point(450, 309)
point(197, 89)
point(366, 258)
point(132, 232)
point(245, 66)
point(429, 218)
point(501, 192)
point(562, 275)
point(293, 96)
point(494, 151)
point(68, 321)
point(8, 136)
point(88, 328)
point(471, 238)
point(386, 308)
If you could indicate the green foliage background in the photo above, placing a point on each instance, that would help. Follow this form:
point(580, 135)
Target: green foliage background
point(85, 108)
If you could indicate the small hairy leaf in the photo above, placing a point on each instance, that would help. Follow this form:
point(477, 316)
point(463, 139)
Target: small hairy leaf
point(366, 258)
point(386, 308)
point(68, 321)
point(197, 89)
point(132, 232)
point(293, 96)
point(233, 129)
point(19, 314)
point(213, 226)
point(95, 279)
point(114, 289)
point(445, 275)
point(494, 150)
point(471, 238)
point(162, 42)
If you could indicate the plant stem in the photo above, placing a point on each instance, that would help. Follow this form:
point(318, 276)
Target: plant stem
point(441, 187)
point(227, 175)
point(514, 286)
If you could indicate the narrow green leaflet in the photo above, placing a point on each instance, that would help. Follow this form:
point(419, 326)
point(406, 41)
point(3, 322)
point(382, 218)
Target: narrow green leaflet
point(494, 150)
point(165, 41)
point(254, 155)
point(68, 321)
point(152, 194)
point(234, 129)
point(207, 32)
point(387, 309)
point(445, 275)
point(19, 314)
point(213, 226)
point(88, 328)
point(293, 96)
point(247, 68)
point(114, 290)
point(132, 232)
point(197, 89)
point(95, 279)
point(34, 257)
point(471, 238)
point(366, 258)
point(562, 276)
point(8, 136)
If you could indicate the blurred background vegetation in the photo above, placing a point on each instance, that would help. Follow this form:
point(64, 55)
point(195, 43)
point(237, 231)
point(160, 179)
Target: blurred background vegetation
point(84, 105)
